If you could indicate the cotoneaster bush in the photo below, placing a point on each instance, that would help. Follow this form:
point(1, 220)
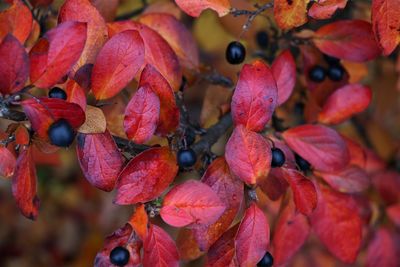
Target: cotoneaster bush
point(288, 180)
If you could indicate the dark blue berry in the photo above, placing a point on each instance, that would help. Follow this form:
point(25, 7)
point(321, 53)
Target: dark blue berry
point(266, 261)
point(57, 92)
point(303, 164)
point(317, 74)
point(278, 158)
point(186, 158)
point(235, 53)
point(119, 256)
point(336, 72)
point(262, 39)
point(61, 133)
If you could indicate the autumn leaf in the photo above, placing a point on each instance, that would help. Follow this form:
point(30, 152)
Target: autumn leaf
point(386, 24)
point(222, 253)
point(252, 238)
point(189, 203)
point(100, 159)
point(7, 163)
point(146, 176)
point(284, 72)
point(323, 147)
point(76, 94)
point(17, 21)
point(344, 103)
point(24, 185)
point(53, 56)
point(117, 64)
point(140, 221)
point(14, 65)
point(383, 249)
point(290, 13)
point(195, 7)
point(325, 9)
point(352, 40)
point(255, 96)
point(248, 155)
point(95, 121)
point(159, 249)
point(338, 224)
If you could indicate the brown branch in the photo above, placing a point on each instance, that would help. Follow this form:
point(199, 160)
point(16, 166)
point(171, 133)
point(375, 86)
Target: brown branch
point(251, 13)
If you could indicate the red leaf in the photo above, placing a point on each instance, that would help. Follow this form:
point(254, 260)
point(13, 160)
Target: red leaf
point(24, 185)
point(43, 111)
point(54, 55)
point(344, 103)
point(248, 155)
point(159, 249)
point(284, 72)
point(305, 195)
point(347, 39)
point(100, 159)
point(222, 253)
point(158, 53)
point(325, 9)
point(16, 20)
point(252, 238)
point(195, 7)
point(97, 33)
point(177, 35)
point(291, 231)
point(349, 180)
point(357, 154)
point(230, 191)
point(124, 237)
point(382, 250)
point(169, 112)
point(191, 203)
point(7, 162)
point(290, 14)
point(393, 212)
point(142, 115)
point(385, 23)
point(338, 224)
point(387, 184)
point(274, 186)
point(76, 94)
point(255, 96)
point(14, 65)
point(146, 176)
point(140, 221)
point(321, 146)
point(117, 64)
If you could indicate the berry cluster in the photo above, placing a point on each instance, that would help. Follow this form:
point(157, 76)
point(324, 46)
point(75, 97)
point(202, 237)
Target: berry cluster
point(335, 71)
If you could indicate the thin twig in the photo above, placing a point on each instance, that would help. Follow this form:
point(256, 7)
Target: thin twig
point(251, 13)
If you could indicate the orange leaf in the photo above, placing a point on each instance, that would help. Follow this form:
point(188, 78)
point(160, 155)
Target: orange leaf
point(24, 185)
point(146, 176)
point(248, 155)
point(252, 238)
point(192, 202)
point(14, 65)
point(344, 103)
point(177, 35)
point(386, 23)
point(54, 55)
point(117, 64)
point(290, 13)
point(347, 39)
point(84, 11)
point(195, 7)
point(100, 159)
point(139, 221)
point(325, 9)
point(255, 96)
point(169, 112)
point(16, 20)
point(142, 115)
point(76, 94)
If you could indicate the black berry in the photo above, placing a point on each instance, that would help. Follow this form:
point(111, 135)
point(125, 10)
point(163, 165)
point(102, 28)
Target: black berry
point(331, 60)
point(317, 74)
point(336, 72)
point(186, 158)
point(266, 261)
point(235, 53)
point(278, 158)
point(262, 39)
point(303, 164)
point(61, 133)
point(57, 92)
point(119, 256)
